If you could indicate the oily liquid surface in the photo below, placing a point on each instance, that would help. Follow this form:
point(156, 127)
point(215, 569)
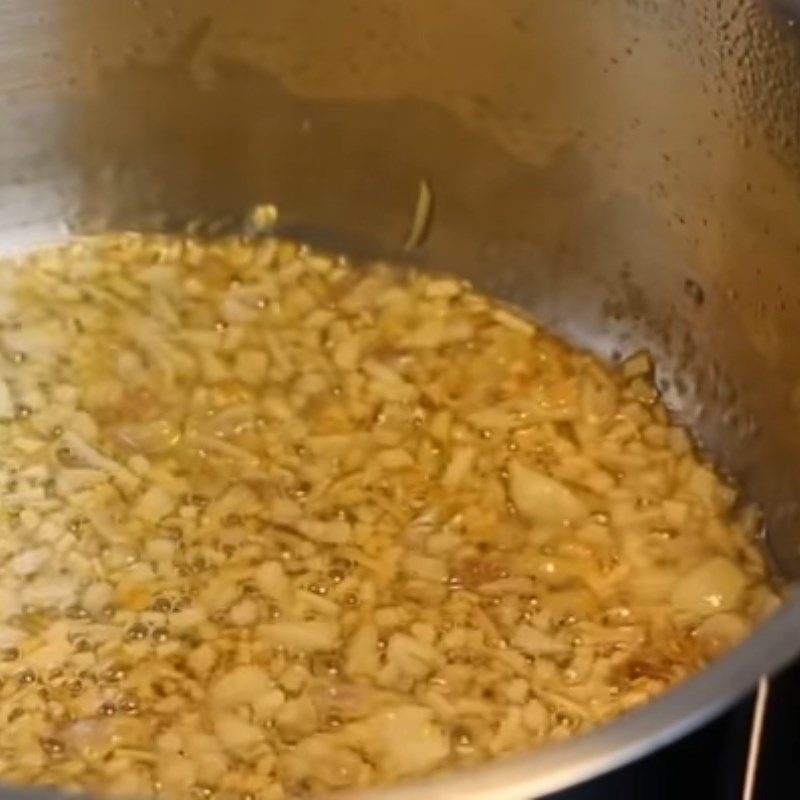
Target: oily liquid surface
point(273, 526)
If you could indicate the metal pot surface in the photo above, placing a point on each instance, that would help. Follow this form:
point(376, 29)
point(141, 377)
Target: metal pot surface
point(627, 170)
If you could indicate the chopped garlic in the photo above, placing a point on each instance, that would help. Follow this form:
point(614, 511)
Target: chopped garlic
point(239, 686)
point(6, 403)
point(272, 524)
point(459, 466)
point(543, 499)
point(29, 561)
point(346, 354)
point(273, 581)
point(251, 367)
point(535, 643)
point(202, 660)
point(155, 504)
point(305, 637)
point(244, 614)
point(236, 735)
point(717, 585)
point(407, 741)
point(97, 597)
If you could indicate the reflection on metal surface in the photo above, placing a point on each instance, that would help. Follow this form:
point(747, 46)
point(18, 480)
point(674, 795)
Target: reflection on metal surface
point(591, 161)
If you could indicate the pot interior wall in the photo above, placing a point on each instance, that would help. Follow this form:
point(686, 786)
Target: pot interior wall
point(628, 171)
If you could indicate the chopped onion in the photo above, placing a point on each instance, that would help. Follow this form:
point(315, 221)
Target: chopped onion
point(535, 643)
point(6, 403)
point(306, 637)
point(273, 525)
point(240, 686)
point(714, 586)
point(542, 499)
point(406, 741)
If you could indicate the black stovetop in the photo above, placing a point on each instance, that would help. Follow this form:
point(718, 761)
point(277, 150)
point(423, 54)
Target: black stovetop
point(710, 764)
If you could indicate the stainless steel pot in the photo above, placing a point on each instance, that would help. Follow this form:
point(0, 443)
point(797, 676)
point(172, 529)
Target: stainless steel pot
point(628, 170)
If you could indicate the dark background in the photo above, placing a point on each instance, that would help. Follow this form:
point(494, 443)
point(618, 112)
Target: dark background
point(710, 763)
